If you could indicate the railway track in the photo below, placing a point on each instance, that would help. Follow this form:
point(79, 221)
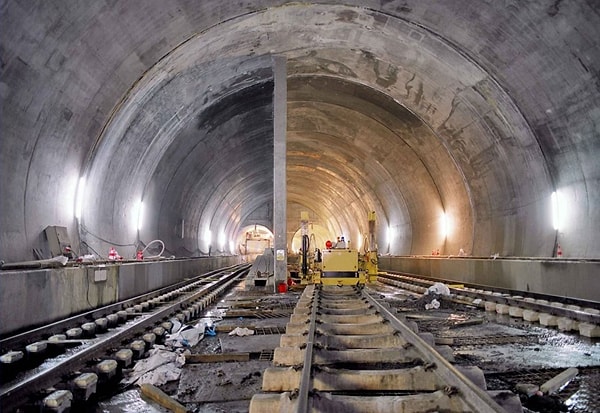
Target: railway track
point(345, 351)
point(566, 314)
point(50, 367)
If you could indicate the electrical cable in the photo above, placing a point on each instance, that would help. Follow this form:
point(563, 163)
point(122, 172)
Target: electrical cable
point(83, 228)
point(90, 247)
point(161, 251)
point(87, 294)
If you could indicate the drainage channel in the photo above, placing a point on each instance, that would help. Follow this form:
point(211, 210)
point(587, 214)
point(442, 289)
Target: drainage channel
point(345, 351)
point(95, 354)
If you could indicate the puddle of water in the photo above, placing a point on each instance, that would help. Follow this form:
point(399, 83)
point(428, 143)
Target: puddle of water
point(129, 401)
point(554, 349)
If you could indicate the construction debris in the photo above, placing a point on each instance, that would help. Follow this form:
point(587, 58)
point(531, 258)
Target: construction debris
point(555, 383)
point(161, 366)
point(439, 289)
point(241, 332)
point(162, 398)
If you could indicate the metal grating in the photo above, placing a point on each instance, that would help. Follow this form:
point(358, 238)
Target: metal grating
point(274, 314)
point(286, 305)
point(496, 339)
point(433, 326)
point(257, 314)
point(259, 331)
point(266, 355)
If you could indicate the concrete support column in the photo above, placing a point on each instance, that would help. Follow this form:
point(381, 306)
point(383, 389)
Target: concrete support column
point(279, 168)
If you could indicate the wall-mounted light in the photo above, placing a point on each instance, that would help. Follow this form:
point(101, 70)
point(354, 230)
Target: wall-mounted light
point(390, 235)
point(79, 197)
point(208, 237)
point(137, 215)
point(555, 201)
point(222, 238)
point(444, 224)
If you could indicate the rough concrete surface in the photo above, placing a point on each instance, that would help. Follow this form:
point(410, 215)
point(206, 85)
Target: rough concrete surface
point(408, 108)
point(497, 344)
point(545, 276)
point(509, 350)
point(218, 382)
point(34, 297)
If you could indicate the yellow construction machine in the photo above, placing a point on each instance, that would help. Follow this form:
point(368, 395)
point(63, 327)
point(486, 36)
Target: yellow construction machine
point(337, 264)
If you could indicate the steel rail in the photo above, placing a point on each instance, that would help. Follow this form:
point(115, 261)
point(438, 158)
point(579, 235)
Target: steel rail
point(302, 405)
point(427, 280)
point(15, 395)
point(477, 398)
point(10, 342)
point(545, 308)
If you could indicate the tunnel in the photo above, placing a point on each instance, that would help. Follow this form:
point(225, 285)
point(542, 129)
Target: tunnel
point(161, 144)
point(464, 126)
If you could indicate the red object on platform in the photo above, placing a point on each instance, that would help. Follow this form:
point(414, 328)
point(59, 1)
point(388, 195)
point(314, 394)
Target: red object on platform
point(112, 254)
point(558, 251)
point(328, 245)
point(140, 255)
point(282, 287)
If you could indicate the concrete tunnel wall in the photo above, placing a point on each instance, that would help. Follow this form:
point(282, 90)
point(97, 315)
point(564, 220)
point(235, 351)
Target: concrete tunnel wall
point(31, 298)
point(552, 277)
point(408, 108)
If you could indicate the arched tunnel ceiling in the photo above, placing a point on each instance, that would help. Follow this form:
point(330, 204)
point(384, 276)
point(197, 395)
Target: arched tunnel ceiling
point(410, 109)
point(365, 152)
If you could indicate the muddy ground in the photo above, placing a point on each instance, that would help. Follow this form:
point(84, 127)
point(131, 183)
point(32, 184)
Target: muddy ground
point(508, 350)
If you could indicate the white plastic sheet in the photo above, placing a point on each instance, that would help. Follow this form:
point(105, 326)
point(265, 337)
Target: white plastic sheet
point(434, 304)
point(241, 331)
point(188, 336)
point(439, 288)
point(161, 366)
